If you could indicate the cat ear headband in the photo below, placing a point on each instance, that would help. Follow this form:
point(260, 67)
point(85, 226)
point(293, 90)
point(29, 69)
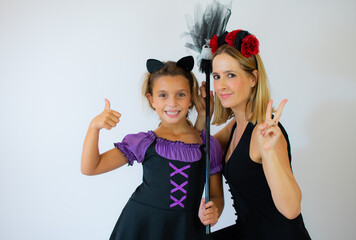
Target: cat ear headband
point(242, 40)
point(187, 63)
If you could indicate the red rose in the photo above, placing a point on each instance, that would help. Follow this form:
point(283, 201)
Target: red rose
point(230, 37)
point(249, 46)
point(214, 43)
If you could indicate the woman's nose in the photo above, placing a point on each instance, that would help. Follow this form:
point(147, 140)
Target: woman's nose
point(221, 84)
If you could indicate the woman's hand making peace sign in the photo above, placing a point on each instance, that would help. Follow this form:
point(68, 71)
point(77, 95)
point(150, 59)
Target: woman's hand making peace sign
point(269, 132)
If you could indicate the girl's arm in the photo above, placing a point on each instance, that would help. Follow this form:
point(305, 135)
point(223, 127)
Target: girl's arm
point(272, 147)
point(92, 162)
point(210, 212)
point(216, 192)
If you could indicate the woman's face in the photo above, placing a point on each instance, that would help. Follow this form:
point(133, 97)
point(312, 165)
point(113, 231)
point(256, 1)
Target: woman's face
point(232, 85)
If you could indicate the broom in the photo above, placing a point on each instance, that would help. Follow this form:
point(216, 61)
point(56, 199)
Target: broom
point(212, 21)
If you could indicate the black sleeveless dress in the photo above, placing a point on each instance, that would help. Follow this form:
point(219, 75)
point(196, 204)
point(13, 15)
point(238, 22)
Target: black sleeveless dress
point(258, 217)
point(165, 206)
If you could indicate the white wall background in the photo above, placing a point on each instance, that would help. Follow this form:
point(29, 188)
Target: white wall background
point(60, 59)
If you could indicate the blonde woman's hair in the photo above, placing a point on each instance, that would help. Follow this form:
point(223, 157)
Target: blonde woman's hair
point(170, 68)
point(260, 94)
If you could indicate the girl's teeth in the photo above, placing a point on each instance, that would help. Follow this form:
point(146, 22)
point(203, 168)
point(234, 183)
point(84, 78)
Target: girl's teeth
point(172, 112)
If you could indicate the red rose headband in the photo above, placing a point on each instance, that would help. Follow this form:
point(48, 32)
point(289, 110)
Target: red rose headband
point(242, 40)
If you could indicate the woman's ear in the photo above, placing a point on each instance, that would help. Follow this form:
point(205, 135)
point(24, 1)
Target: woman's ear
point(255, 78)
point(150, 98)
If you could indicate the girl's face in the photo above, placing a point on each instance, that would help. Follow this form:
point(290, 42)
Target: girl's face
point(232, 84)
point(171, 98)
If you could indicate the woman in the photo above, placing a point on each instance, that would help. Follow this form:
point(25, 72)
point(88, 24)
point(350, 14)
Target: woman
point(257, 158)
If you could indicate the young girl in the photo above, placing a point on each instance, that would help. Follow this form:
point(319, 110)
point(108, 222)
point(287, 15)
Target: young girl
point(166, 204)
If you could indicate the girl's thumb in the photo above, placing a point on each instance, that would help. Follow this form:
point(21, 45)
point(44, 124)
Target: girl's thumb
point(107, 104)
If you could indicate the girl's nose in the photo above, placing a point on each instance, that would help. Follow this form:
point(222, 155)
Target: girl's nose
point(172, 101)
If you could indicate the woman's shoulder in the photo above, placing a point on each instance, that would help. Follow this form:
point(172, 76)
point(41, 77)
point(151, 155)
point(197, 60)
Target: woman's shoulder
point(223, 135)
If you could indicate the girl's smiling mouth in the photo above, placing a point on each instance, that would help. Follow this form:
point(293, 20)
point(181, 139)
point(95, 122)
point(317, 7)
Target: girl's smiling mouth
point(172, 114)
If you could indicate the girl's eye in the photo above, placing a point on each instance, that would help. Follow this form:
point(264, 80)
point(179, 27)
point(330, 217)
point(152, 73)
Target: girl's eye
point(231, 75)
point(181, 94)
point(162, 95)
point(216, 77)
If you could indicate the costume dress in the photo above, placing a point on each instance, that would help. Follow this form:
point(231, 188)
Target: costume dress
point(165, 206)
point(258, 217)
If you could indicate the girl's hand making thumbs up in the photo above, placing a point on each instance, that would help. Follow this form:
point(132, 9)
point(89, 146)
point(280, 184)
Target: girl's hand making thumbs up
point(107, 119)
point(92, 161)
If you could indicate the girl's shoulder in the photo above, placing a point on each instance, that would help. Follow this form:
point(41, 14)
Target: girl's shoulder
point(134, 146)
point(137, 138)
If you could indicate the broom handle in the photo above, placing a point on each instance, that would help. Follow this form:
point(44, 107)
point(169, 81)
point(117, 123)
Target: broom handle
point(207, 142)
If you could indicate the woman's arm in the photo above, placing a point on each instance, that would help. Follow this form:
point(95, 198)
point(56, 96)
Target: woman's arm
point(285, 191)
point(92, 162)
point(272, 149)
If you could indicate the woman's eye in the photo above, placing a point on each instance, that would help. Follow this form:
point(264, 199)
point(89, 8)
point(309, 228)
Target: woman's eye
point(216, 77)
point(181, 94)
point(162, 95)
point(231, 75)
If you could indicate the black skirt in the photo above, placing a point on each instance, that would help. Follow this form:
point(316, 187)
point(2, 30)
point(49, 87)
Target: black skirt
point(141, 222)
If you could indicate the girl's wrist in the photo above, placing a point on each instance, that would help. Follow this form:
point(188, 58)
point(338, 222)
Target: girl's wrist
point(93, 127)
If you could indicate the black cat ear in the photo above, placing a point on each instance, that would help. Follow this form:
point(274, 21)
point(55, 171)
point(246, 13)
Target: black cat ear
point(186, 63)
point(153, 65)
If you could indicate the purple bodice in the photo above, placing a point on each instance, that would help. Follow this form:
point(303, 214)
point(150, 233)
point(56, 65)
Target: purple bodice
point(134, 147)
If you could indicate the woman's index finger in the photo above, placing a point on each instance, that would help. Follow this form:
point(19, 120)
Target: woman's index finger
point(269, 110)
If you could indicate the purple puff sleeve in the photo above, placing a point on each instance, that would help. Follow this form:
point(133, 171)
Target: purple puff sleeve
point(215, 154)
point(134, 146)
